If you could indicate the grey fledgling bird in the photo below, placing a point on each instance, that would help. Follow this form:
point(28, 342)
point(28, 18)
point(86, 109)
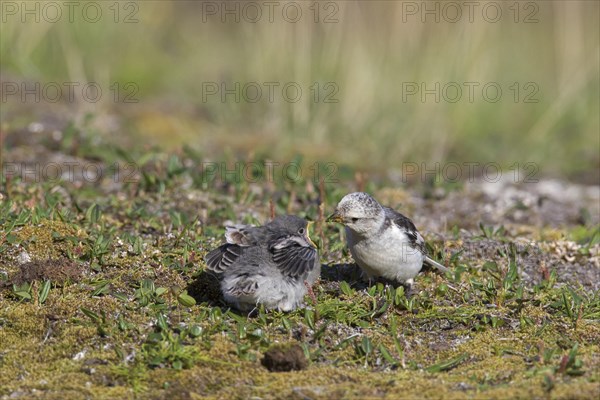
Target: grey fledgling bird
point(383, 242)
point(273, 264)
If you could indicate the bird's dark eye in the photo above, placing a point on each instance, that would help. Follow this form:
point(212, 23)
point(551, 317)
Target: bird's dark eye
point(354, 219)
point(301, 231)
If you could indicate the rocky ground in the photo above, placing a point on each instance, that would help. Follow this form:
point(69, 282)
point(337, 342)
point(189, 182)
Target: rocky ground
point(103, 292)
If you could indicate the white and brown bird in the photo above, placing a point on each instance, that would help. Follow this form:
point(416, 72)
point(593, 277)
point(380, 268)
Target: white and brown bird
point(383, 242)
point(273, 264)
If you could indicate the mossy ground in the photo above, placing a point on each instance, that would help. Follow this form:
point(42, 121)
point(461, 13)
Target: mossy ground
point(517, 317)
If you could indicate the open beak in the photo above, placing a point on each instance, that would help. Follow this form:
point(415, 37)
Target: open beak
point(335, 217)
point(309, 224)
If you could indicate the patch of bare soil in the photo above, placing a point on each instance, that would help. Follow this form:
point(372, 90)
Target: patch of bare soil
point(58, 271)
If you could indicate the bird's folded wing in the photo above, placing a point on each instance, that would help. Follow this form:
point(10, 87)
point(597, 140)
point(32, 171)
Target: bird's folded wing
point(408, 227)
point(293, 259)
point(221, 258)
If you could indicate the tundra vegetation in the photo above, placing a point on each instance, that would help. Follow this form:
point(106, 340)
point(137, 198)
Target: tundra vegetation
point(104, 293)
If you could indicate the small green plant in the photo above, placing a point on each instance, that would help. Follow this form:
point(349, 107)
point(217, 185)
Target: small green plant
point(489, 232)
point(22, 291)
point(100, 286)
point(164, 348)
point(363, 350)
point(552, 364)
point(99, 319)
point(407, 303)
point(447, 364)
point(570, 304)
point(98, 248)
point(185, 299)
point(570, 364)
point(44, 291)
point(148, 294)
point(93, 214)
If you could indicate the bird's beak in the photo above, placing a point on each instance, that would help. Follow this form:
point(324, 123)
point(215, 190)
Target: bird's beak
point(309, 224)
point(335, 217)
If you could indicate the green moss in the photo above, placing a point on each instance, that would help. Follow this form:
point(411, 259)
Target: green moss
point(42, 241)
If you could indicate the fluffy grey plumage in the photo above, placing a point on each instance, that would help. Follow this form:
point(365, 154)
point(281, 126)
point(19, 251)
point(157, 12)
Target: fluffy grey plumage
point(383, 242)
point(270, 265)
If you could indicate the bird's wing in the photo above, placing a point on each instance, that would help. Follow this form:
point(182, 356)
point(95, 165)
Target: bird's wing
point(221, 258)
point(292, 258)
point(242, 235)
point(244, 287)
point(408, 227)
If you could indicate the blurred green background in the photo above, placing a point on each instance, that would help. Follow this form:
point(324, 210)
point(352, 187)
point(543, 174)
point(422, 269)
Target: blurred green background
point(364, 55)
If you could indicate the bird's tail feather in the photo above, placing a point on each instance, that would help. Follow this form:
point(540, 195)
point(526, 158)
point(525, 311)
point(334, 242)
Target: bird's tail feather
point(435, 264)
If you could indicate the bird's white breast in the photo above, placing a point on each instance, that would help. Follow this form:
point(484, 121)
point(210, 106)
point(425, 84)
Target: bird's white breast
point(388, 254)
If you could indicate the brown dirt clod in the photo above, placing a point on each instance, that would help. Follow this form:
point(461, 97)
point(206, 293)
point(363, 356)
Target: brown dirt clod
point(283, 359)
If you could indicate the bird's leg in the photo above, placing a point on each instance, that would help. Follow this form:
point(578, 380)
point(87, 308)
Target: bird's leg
point(311, 293)
point(409, 285)
point(368, 279)
point(252, 312)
